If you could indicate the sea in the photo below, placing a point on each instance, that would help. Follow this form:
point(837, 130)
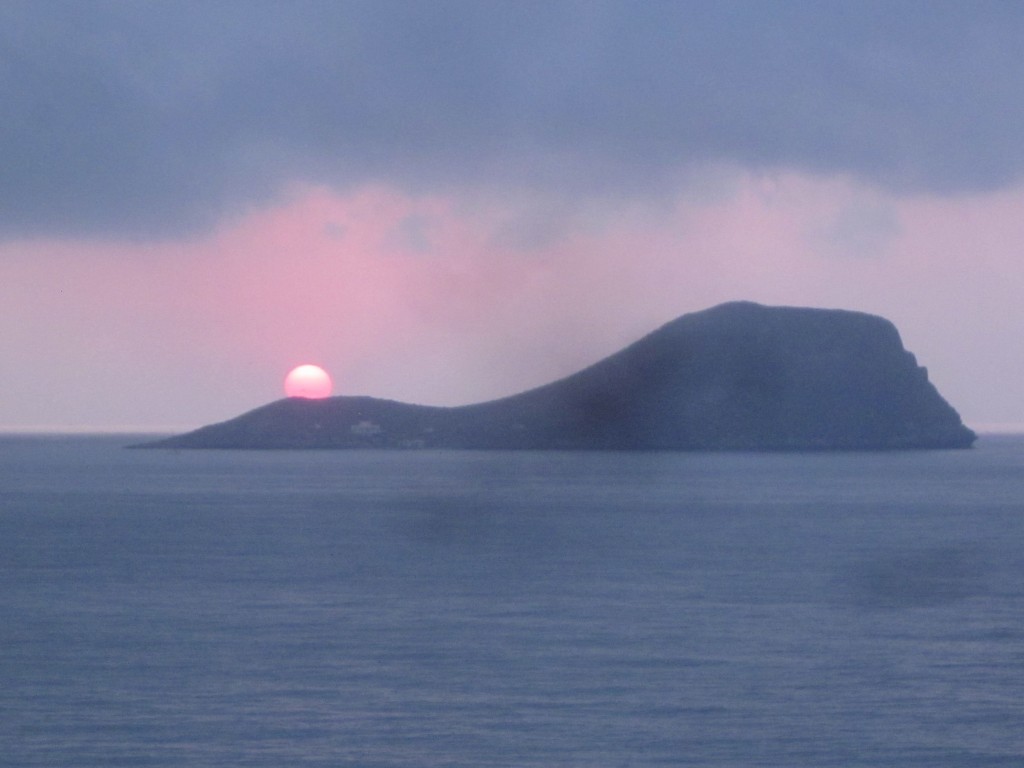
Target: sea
point(428, 609)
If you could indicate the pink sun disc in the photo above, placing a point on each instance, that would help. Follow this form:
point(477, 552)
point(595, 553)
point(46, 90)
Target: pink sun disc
point(309, 381)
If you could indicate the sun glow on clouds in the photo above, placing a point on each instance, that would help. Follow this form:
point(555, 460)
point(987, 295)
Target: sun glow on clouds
point(450, 299)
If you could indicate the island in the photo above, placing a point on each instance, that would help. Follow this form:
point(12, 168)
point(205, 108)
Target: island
point(739, 376)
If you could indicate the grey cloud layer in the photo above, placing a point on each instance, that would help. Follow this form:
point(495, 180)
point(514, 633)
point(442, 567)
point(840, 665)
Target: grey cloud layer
point(156, 118)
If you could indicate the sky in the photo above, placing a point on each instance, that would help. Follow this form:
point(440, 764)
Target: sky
point(445, 202)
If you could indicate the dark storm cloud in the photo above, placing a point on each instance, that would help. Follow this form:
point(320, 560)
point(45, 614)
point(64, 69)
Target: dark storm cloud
point(157, 118)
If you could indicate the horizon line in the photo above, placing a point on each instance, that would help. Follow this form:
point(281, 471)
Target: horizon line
point(985, 428)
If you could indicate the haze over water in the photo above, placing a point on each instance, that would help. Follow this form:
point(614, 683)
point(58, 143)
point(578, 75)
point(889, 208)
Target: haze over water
point(509, 609)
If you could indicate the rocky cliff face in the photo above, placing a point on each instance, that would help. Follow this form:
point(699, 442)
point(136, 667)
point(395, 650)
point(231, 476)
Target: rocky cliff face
point(739, 376)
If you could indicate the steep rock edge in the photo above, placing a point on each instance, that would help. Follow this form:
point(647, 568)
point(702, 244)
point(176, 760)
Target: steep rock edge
point(739, 376)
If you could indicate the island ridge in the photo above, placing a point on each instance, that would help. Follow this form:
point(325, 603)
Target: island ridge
point(739, 376)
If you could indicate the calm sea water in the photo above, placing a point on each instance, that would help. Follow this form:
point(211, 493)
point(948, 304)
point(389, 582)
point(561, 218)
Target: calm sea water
point(510, 609)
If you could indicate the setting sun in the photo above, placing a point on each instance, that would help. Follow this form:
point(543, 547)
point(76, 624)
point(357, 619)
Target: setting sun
point(309, 381)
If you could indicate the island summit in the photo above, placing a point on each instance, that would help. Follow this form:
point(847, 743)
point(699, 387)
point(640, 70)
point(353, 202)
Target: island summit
point(739, 376)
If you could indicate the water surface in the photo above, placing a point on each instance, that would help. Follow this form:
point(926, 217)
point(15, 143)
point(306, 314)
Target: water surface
point(342, 608)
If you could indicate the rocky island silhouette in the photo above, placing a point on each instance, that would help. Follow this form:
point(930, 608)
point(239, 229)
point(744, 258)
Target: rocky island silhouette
point(739, 376)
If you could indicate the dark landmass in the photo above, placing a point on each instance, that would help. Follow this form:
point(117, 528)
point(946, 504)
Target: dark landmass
point(739, 376)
